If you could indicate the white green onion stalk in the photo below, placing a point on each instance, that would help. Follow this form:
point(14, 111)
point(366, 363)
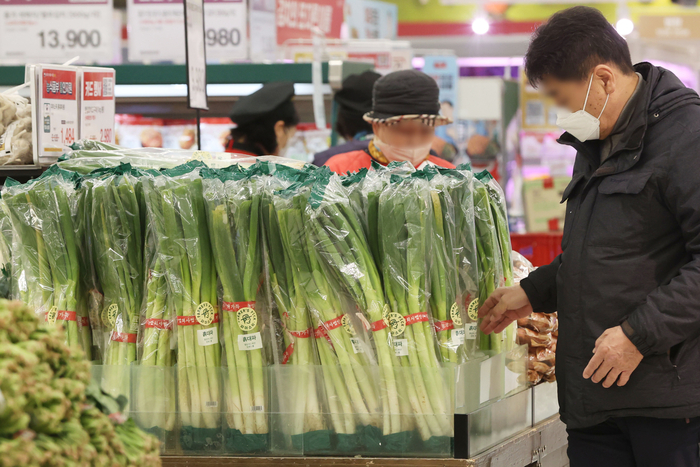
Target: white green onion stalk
point(405, 210)
point(233, 211)
point(176, 207)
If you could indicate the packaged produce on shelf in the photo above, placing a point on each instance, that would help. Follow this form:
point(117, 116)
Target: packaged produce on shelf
point(50, 413)
point(454, 276)
point(117, 240)
point(342, 337)
point(265, 305)
point(282, 217)
point(177, 211)
point(15, 130)
point(233, 206)
point(539, 331)
point(405, 233)
point(44, 216)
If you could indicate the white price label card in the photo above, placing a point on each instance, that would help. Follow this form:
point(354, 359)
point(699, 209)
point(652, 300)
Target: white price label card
point(56, 112)
point(157, 30)
point(226, 30)
point(97, 105)
point(470, 333)
point(458, 336)
point(55, 30)
point(250, 341)
point(356, 345)
point(207, 337)
point(401, 347)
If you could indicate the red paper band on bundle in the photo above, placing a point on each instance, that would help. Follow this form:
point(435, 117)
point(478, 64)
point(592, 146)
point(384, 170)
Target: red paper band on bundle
point(378, 325)
point(83, 321)
point(290, 348)
point(334, 323)
point(123, 337)
point(444, 325)
point(416, 318)
point(192, 320)
point(235, 306)
point(165, 324)
point(320, 332)
point(63, 315)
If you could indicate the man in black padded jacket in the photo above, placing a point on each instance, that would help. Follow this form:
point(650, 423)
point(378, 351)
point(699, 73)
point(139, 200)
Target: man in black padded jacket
point(627, 285)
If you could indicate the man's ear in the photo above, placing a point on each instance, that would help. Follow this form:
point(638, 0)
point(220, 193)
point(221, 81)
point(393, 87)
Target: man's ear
point(607, 75)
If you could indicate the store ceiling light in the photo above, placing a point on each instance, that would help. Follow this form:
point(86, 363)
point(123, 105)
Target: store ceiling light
point(624, 26)
point(480, 25)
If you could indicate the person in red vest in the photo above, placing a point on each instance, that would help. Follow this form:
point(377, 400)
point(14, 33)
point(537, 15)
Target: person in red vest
point(265, 121)
point(405, 111)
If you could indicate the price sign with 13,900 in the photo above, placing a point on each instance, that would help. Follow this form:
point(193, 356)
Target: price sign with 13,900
point(55, 30)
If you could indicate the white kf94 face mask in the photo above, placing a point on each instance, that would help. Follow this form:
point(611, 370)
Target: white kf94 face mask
point(582, 125)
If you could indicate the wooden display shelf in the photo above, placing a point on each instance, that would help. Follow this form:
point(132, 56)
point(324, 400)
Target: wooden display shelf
point(544, 443)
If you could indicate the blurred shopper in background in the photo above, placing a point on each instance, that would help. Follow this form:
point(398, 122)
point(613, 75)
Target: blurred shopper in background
point(265, 121)
point(627, 283)
point(354, 101)
point(405, 111)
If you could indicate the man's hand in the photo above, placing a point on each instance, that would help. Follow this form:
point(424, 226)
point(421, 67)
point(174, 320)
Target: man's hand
point(614, 356)
point(504, 306)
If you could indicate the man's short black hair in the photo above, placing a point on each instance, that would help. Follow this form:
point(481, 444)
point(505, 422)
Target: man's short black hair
point(571, 43)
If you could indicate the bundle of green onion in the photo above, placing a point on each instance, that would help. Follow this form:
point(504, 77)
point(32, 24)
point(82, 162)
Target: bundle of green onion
point(406, 211)
point(282, 210)
point(177, 211)
point(233, 202)
point(116, 223)
point(44, 214)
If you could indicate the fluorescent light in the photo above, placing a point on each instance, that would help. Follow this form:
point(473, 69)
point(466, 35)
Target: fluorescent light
point(624, 26)
point(480, 26)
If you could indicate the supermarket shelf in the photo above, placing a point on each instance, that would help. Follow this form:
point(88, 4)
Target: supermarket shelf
point(544, 443)
point(235, 73)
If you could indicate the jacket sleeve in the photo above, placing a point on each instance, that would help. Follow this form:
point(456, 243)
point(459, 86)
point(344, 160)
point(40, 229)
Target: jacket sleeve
point(541, 287)
point(671, 313)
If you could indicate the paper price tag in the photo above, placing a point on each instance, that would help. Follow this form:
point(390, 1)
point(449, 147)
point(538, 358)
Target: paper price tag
point(207, 337)
point(226, 33)
point(249, 341)
point(356, 345)
point(97, 105)
point(57, 110)
point(401, 347)
point(470, 333)
point(55, 31)
point(458, 336)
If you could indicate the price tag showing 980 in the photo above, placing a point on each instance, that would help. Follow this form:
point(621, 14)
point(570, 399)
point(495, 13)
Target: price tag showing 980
point(55, 30)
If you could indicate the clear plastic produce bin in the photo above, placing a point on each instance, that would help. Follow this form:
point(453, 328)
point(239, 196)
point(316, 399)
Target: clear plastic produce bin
point(300, 412)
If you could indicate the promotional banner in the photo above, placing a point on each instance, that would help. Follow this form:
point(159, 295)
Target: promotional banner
point(157, 30)
point(296, 18)
point(368, 19)
point(55, 30)
point(97, 104)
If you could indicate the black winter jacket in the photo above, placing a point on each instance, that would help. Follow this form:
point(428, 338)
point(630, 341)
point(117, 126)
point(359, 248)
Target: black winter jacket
point(631, 252)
